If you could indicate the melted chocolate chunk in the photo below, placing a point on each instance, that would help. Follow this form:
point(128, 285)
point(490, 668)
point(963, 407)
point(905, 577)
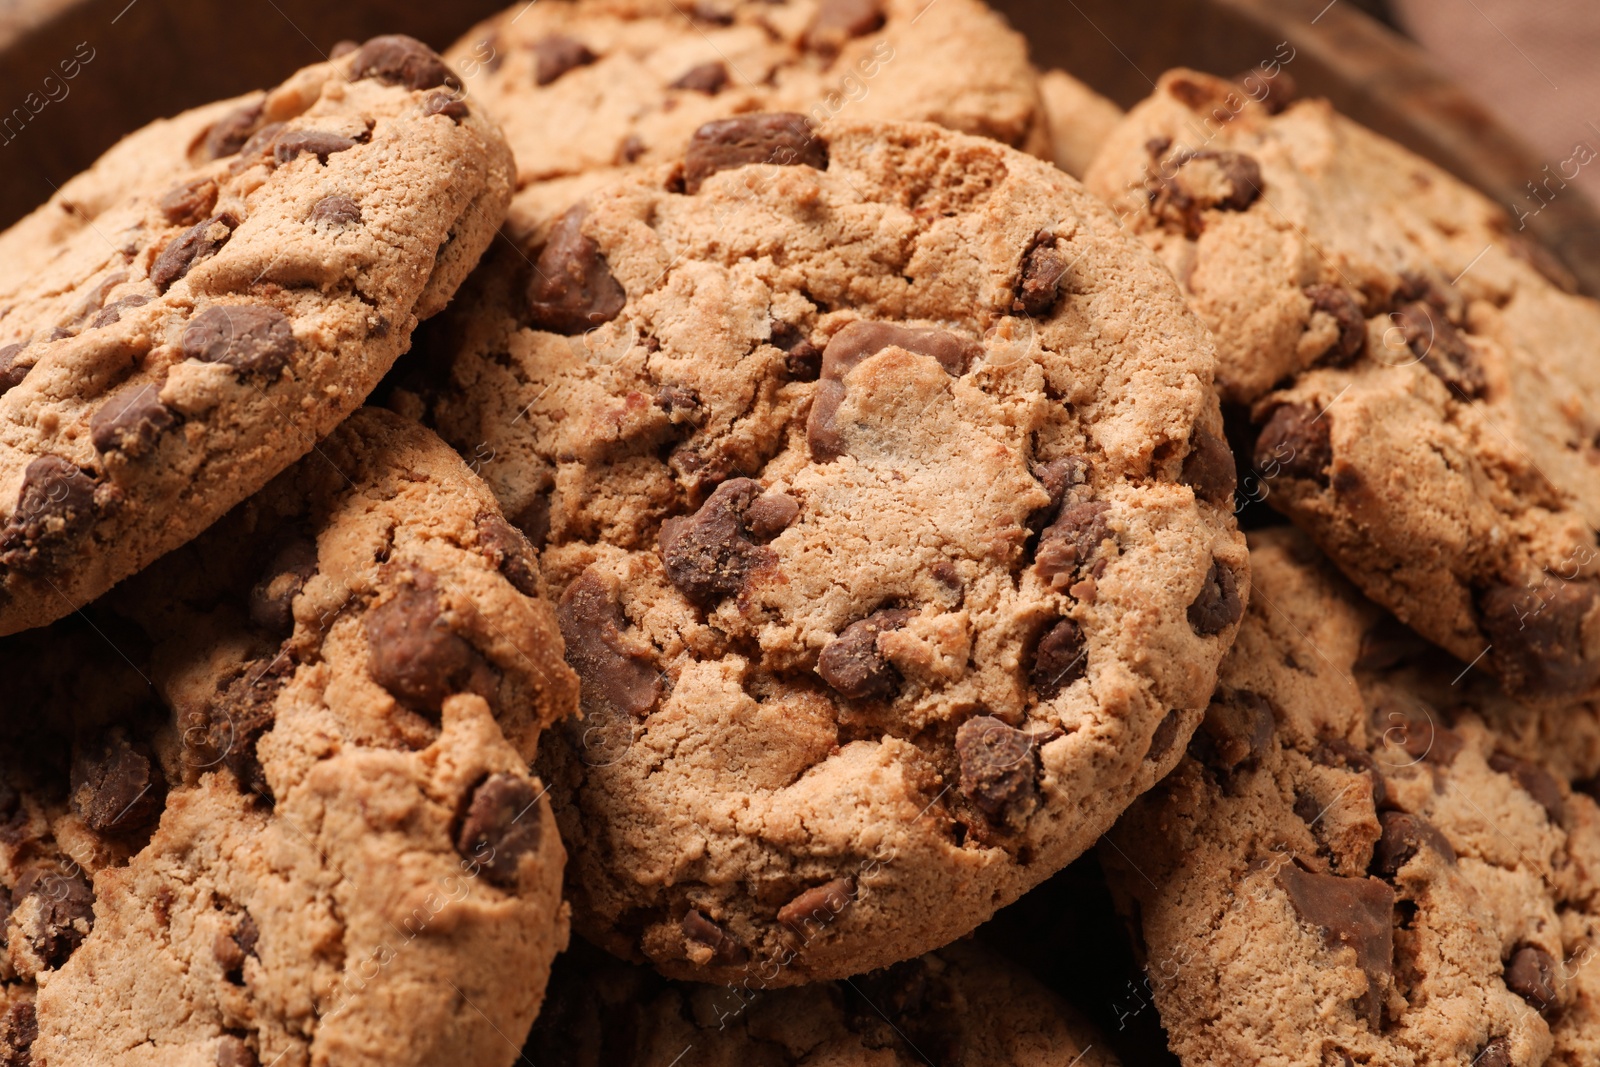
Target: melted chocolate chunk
point(1441, 348)
point(509, 551)
point(61, 909)
point(56, 503)
point(319, 143)
point(414, 652)
point(272, 598)
point(1060, 659)
point(998, 765)
point(228, 134)
point(709, 78)
point(612, 669)
point(573, 289)
point(1178, 198)
point(1237, 729)
point(1536, 636)
point(19, 1029)
point(713, 553)
point(12, 370)
point(1295, 443)
point(781, 138)
point(200, 242)
point(1537, 782)
point(499, 826)
point(837, 21)
point(1357, 912)
point(556, 54)
point(250, 338)
point(851, 664)
point(1404, 835)
point(1346, 311)
point(725, 948)
point(1072, 542)
point(187, 204)
point(335, 211)
point(1218, 606)
point(1208, 469)
point(447, 104)
point(1039, 286)
point(130, 423)
point(817, 906)
point(116, 786)
point(401, 60)
point(1531, 975)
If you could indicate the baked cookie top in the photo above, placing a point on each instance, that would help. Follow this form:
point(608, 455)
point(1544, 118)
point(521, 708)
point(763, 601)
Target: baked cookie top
point(958, 1007)
point(273, 804)
point(187, 318)
point(886, 497)
point(1424, 394)
point(586, 88)
point(1397, 853)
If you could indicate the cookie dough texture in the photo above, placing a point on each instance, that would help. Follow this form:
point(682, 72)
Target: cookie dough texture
point(188, 317)
point(1366, 857)
point(585, 89)
point(888, 593)
point(958, 1007)
point(275, 807)
point(1422, 382)
point(1078, 118)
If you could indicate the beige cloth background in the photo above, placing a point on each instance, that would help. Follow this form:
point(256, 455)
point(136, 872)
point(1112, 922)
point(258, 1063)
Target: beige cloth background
point(1536, 63)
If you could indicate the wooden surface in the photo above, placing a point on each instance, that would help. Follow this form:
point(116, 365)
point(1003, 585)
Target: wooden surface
point(157, 57)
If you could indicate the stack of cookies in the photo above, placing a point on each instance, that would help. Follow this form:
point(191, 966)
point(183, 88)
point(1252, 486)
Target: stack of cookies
point(794, 519)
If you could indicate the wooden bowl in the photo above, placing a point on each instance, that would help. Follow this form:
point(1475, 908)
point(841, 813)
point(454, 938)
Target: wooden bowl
point(136, 60)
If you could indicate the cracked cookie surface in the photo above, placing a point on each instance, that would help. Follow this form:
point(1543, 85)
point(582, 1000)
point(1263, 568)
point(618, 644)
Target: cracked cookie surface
point(273, 805)
point(958, 1007)
point(889, 512)
point(188, 317)
point(1421, 381)
point(585, 90)
point(1369, 854)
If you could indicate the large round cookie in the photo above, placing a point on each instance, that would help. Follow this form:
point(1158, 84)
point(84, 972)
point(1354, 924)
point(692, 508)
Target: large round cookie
point(888, 505)
point(1366, 858)
point(188, 317)
point(958, 1007)
point(1426, 398)
point(586, 88)
point(284, 814)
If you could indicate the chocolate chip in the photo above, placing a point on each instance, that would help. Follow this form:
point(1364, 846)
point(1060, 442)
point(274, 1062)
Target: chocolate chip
point(1536, 782)
point(555, 54)
point(851, 663)
point(1208, 469)
point(1060, 659)
point(198, 242)
point(725, 948)
point(1404, 835)
point(335, 211)
point(190, 202)
point(130, 423)
point(1441, 348)
point(855, 343)
point(1166, 732)
point(448, 104)
point(1060, 477)
point(1295, 444)
point(1531, 975)
point(1536, 636)
point(232, 1051)
point(61, 913)
point(1043, 266)
point(232, 947)
point(12, 370)
point(998, 764)
point(401, 60)
point(708, 78)
point(19, 1029)
point(572, 289)
point(500, 826)
point(712, 553)
point(1176, 198)
point(1274, 91)
point(1497, 1053)
point(681, 405)
point(112, 312)
point(259, 145)
point(57, 501)
point(115, 786)
point(228, 134)
point(250, 338)
point(770, 514)
point(1336, 301)
point(1358, 912)
point(224, 732)
point(802, 359)
point(413, 652)
point(1237, 729)
point(782, 138)
point(272, 597)
point(631, 148)
point(611, 669)
point(534, 520)
point(1218, 606)
point(1337, 752)
point(837, 21)
point(509, 551)
point(1071, 542)
point(819, 905)
point(320, 143)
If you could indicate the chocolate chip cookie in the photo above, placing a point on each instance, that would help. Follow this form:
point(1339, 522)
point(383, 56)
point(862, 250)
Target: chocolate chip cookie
point(271, 803)
point(1421, 382)
point(586, 88)
point(189, 317)
point(1366, 857)
point(958, 1007)
point(885, 494)
point(1078, 118)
